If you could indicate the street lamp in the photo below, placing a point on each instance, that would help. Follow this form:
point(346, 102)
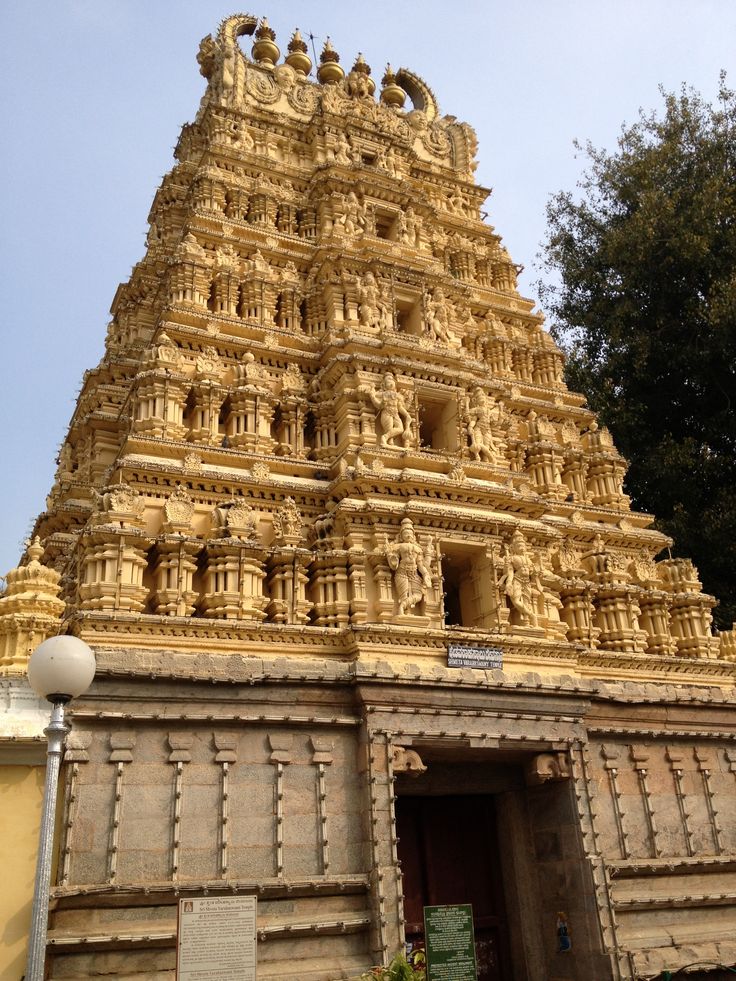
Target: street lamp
point(59, 669)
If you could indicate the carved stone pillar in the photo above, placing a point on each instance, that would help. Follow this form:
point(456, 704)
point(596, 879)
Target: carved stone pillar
point(690, 610)
point(114, 554)
point(233, 581)
point(174, 565)
point(208, 193)
point(287, 579)
point(574, 473)
point(190, 275)
point(523, 363)
point(238, 202)
point(175, 558)
point(606, 468)
point(329, 588)
point(226, 292)
point(249, 423)
point(616, 601)
point(158, 407)
point(204, 412)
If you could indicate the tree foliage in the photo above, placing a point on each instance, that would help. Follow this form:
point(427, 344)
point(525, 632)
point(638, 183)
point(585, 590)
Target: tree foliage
point(641, 289)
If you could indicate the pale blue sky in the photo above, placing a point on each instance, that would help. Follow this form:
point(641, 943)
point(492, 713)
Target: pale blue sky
point(95, 92)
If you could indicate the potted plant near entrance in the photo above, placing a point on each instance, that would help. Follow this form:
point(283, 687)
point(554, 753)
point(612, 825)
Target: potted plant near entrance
point(399, 969)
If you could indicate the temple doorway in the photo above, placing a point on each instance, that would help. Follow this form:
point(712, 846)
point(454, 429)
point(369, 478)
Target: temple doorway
point(449, 853)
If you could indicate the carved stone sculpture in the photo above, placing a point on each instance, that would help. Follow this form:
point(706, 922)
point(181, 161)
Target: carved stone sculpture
point(521, 581)
point(373, 311)
point(480, 412)
point(411, 566)
point(438, 318)
point(393, 414)
point(287, 523)
point(352, 219)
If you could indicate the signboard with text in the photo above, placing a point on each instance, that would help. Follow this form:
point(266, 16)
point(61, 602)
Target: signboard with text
point(216, 939)
point(485, 658)
point(450, 944)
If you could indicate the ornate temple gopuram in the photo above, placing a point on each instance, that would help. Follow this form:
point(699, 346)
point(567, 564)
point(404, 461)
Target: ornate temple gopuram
point(375, 624)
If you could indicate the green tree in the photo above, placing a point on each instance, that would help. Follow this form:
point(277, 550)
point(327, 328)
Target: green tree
point(640, 283)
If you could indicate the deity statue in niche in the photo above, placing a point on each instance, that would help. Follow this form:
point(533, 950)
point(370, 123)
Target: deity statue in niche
point(352, 219)
point(411, 566)
point(342, 150)
point(481, 412)
point(438, 318)
point(408, 227)
point(373, 310)
point(521, 581)
point(393, 415)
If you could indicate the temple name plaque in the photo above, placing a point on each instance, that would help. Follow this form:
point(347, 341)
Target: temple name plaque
point(216, 939)
point(448, 933)
point(459, 656)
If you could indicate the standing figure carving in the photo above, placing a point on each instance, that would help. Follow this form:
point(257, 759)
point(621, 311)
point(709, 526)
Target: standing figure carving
point(342, 150)
point(352, 219)
point(408, 229)
point(438, 318)
point(411, 566)
point(480, 412)
point(521, 581)
point(373, 311)
point(393, 414)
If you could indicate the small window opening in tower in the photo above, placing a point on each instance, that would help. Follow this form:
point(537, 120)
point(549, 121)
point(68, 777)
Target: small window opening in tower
point(310, 433)
point(408, 315)
point(467, 585)
point(438, 421)
point(277, 426)
point(188, 411)
point(386, 225)
point(222, 419)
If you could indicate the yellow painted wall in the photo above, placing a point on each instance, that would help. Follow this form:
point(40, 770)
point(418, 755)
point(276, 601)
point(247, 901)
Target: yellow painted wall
point(21, 793)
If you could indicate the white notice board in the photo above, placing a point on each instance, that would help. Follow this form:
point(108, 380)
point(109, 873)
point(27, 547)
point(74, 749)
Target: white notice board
point(216, 939)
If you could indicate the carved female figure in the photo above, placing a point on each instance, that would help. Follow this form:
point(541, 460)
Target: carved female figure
point(410, 566)
point(520, 580)
point(393, 414)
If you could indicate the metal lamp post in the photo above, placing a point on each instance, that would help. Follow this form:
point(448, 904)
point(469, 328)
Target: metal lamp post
point(61, 668)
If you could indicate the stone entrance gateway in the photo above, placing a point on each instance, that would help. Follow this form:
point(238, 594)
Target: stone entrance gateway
point(450, 854)
point(479, 827)
point(327, 443)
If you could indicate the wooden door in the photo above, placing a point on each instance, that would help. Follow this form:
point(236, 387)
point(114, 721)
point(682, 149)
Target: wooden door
point(448, 848)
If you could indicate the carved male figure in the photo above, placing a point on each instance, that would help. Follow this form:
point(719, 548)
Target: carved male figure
point(520, 580)
point(372, 309)
point(410, 565)
point(438, 318)
point(352, 220)
point(480, 413)
point(393, 414)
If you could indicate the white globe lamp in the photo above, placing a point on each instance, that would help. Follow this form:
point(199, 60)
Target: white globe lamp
point(61, 668)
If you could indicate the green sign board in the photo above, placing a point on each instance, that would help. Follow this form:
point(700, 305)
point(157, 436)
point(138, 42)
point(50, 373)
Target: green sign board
point(448, 934)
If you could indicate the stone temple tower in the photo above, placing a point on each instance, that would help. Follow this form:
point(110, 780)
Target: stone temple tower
point(375, 624)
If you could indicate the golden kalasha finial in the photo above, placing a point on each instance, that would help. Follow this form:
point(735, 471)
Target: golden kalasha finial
point(297, 56)
point(329, 71)
point(392, 94)
point(265, 51)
